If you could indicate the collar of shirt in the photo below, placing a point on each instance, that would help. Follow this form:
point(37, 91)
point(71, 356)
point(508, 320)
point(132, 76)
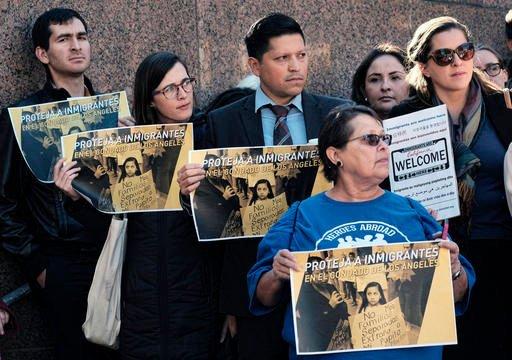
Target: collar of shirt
point(262, 100)
point(63, 94)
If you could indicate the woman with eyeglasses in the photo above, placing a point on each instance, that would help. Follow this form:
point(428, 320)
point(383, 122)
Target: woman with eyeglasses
point(481, 129)
point(168, 287)
point(491, 63)
point(354, 151)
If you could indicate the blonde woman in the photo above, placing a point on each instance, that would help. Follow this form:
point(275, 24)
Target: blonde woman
point(442, 55)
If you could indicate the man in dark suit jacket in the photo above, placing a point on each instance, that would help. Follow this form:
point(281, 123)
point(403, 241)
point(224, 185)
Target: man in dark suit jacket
point(276, 49)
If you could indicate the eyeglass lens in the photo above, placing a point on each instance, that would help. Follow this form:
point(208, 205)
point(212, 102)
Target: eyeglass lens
point(171, 90)
point(374, 139)
point(493, 69)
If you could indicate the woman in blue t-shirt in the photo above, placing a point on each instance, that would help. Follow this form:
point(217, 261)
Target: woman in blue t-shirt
point(355, 212)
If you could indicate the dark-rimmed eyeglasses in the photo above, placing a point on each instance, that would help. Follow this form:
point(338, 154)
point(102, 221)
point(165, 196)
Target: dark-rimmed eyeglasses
point(374, 139)
point(171, 91)
point(493, 69)
point(445, 57)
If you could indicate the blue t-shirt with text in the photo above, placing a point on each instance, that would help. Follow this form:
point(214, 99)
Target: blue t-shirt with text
point(323, 223)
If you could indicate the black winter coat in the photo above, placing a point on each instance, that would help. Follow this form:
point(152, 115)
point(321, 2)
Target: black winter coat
point(169, 290)
point(36, 215)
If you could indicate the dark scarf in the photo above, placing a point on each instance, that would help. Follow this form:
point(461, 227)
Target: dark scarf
point(463, 134)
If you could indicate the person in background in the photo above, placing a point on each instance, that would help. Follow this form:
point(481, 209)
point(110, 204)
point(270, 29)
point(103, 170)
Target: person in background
point(379, 81)
point(320, 307)
point(57, 234)
point(508, 34)
point(261, 191)
point(251, 81)
point(216, 203)
point(443, 73)
point(491, 63)
point(373, 295)
point(130, 168)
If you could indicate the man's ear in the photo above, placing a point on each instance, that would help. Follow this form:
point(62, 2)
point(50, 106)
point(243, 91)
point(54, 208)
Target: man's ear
point(254, 64)
point(42, 55)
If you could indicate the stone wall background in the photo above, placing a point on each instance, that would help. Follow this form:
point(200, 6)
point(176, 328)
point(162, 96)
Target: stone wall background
point(208, 34)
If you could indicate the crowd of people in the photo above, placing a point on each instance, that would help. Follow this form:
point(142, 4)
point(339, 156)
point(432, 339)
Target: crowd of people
point(182, 299)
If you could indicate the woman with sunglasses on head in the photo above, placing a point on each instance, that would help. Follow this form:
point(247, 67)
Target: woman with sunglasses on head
point(481, 129)
point(491, 63)
point(168, 287)
point(354, 151)
point(379, 81)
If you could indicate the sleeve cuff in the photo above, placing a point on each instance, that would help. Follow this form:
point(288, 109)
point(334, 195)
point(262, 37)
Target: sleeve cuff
point(255, 306)
point(185, 203)
point(76, 206)
point(34, 264)
point(462, 305)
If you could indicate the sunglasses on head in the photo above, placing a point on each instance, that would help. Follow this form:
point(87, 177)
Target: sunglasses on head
point(445, 57)
point(374, 139)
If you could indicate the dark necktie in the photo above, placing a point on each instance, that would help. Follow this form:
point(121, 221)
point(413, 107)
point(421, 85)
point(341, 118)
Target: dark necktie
point(282, 134)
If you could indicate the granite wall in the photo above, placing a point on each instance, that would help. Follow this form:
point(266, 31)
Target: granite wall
point(208, 34)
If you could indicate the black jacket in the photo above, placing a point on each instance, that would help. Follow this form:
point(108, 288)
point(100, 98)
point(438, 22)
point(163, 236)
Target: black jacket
point(169, 290)
point(499, 117)
point(34, 215)
point(238, 125)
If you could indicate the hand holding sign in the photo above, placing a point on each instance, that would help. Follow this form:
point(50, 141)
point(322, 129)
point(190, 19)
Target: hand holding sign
point(63, 175)
point(283, 262)
point(189, 177)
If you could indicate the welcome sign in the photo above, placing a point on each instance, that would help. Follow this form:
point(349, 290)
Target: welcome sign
point(422, 166)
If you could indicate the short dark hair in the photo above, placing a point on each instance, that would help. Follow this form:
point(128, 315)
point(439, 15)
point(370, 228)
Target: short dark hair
point(272, 25)
point(358, 81)
point(508, 24)
point(149, 75)
point(41, 30)
point(336, 131)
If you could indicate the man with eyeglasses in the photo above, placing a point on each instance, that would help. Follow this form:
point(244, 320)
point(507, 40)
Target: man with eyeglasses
point(58, 237)
point(279, 113)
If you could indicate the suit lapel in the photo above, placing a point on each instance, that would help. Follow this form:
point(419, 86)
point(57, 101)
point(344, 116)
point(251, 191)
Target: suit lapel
point(311, 115)
point(251, 123)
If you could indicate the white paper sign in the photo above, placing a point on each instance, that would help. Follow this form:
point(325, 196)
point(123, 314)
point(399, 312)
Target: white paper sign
point(421, 160)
